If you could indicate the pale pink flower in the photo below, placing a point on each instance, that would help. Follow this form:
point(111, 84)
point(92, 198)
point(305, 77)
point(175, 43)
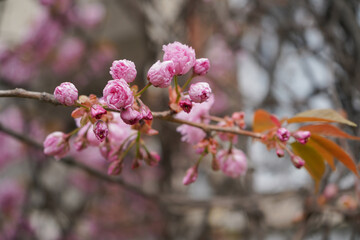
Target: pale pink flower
point(302, 136)
point(283, 134)
point(232, 163)
point(202, 66)
point(160, 74)
point(56, 144)
point(182, 55)
point(297, 161)
point(123, 69)
point(130, 116)
point(199, 113)
point(191, 175)
point(90, 15)
point(199, 92)
point(66, 93)
point(118, 95)
point(69, 55)
point(330, 191)
point(97, 111)
point(101, 130)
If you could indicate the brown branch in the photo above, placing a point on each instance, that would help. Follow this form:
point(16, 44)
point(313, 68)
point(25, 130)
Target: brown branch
point(76, 164)
point(166, 115)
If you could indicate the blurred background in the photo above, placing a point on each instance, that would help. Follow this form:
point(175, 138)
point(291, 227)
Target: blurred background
point(284, 56)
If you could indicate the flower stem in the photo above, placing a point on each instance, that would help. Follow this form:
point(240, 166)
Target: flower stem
point(177, 89)
point(143, 90)
point(187, 83)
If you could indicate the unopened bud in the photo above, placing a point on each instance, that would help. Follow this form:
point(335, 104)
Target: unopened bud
point(302, 136)
point(283, 134)
point(186, 105)
point(297, 161)
point(97, 111)
point(130, 116)
point(100, 130)
point(191, 175)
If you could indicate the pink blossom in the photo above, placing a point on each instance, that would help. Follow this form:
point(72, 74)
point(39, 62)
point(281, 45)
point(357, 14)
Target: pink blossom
point(202, 66)
point(297, 161)
point(97, 111)
point(123, 69)
point(145, 112)
point(160, 74)
point(182, 55)
point(56, 144)
point(101, 130)
point(185, 105)
point(191, 175)
point(330, 191)
point(199, 92)
point(302, 136)
point(66, 93)
point(130, 116)
point(90, 15)
point(283, 134)
point(279, 152)
point(118, 95)
point(199, 113)
point(232, 163)
point(69, 55)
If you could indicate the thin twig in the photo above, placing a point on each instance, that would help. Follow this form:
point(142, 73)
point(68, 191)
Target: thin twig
point(166, 115)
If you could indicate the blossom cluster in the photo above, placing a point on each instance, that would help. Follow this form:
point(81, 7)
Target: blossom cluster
point(116, 122)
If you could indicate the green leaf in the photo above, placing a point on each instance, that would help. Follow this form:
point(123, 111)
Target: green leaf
point(320, 115)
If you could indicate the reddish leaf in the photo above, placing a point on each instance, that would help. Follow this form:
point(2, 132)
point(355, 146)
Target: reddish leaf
point(328, 130)
point(336, 151)
point(320, 115)
point(263, 121)
point(323, 152)
point(314, 162)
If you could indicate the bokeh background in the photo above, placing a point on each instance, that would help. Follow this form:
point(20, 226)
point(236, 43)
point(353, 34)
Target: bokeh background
point(284, 56)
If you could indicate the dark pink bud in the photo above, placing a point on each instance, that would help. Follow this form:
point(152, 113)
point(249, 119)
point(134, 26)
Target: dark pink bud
point(101, 130)
point(130, 116)
point(56, 144)
point(191, 175)
point(66, 93)
point(145, 113)
point(152, 159)
point(297, 161)
point(302, 136)
point(283, 134)
point(280, 152)
point(97, 111)
point(186, 105)
point(202, 66)
point(199, 92)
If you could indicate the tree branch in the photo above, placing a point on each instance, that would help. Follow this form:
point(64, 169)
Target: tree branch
point(166, 115)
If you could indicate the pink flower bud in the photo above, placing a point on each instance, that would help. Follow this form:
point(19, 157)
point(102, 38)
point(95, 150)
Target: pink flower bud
point(160, 74)
point(283, 134)
point(66, 93)
point(182, 55)
point(238, 118)
point(297, 161)
point(202, 66)
point(97, 111)
point(199, 92)
point(154, 159)
point(191, 175)
point(118, 95)
point(186, 105)
point(145, 113)
point(56, 144)
point(233, 164)
point(130, 116)
point(123, 69)
point(100, 130)
point(115, 168)
point(302, 136)
point(279, 152)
